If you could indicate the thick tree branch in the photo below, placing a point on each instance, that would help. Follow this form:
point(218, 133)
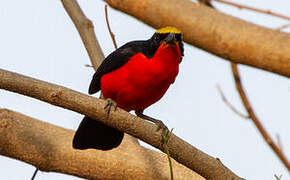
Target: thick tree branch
point(223, 35)
point(49, 147)
point(203, 164)
point(255, 119)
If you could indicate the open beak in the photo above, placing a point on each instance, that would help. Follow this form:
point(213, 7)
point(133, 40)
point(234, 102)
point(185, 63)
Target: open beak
point(170, 38)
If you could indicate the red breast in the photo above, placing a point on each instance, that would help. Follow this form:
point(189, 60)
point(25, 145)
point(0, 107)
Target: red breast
point(142, 81)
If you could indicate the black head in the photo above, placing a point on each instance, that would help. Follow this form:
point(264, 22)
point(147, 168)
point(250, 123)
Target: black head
point(167, 35)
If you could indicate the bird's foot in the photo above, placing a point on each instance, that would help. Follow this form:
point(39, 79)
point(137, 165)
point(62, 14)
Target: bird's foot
point(109, 105)
point(159, 123)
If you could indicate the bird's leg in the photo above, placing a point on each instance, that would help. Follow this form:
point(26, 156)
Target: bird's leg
point(109, 105)
point(159, 123)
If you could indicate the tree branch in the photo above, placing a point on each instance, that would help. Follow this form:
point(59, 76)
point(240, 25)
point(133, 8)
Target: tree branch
point(49, 147)
point(230, 105)
point(109, 27)
point(241, 6)
point(255, 119)
point(203, 27)
point(85, 28)
point(181, 151)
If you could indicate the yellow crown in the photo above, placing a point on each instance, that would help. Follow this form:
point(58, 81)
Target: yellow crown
point(168, 29)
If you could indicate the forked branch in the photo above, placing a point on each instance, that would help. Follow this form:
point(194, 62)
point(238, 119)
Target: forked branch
point(255, 119)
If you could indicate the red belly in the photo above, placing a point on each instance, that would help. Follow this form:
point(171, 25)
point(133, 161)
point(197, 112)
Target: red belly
point(142, 81)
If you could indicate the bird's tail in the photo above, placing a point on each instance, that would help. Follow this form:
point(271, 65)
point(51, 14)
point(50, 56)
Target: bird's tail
point(94, 134)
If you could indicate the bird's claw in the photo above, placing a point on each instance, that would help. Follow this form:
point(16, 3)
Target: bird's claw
point(109, 104)
point(161, 125)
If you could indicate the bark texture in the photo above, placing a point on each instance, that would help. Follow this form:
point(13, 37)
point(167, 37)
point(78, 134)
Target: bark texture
point(49, 148)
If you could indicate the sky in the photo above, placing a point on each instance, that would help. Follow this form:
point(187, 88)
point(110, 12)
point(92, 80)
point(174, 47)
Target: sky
point(39, 40)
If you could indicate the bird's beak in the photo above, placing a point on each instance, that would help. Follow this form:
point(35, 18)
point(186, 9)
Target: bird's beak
point(170, 38)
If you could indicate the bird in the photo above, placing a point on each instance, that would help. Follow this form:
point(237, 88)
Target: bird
point(133, 77)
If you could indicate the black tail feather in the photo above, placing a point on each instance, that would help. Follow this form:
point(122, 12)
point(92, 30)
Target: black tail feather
point(94, 134)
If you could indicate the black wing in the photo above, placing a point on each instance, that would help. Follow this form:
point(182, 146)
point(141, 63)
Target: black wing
point(115, 60)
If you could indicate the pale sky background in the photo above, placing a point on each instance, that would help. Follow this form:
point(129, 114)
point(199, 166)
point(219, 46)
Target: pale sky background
point(38, 39)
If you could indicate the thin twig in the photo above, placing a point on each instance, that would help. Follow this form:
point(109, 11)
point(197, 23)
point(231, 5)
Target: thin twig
point(34, 174)
point(230, 105)
point(109, 28)
point(88, 65)
point(278, 177)
point(241, 6)
point(255, 119)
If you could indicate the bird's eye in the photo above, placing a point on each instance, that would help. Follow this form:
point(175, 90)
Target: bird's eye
point(156, 38)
